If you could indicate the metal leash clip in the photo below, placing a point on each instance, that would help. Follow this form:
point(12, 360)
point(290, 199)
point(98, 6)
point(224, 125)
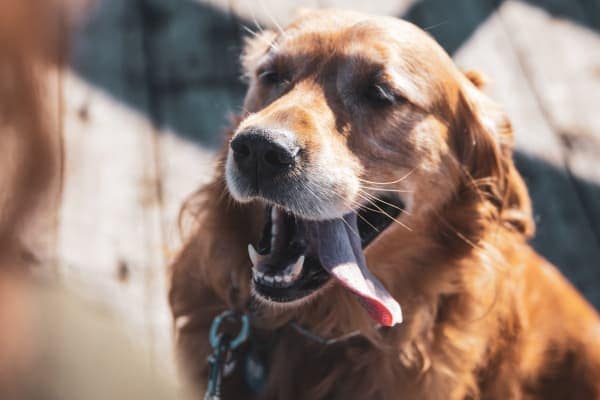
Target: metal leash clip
point(220, 361)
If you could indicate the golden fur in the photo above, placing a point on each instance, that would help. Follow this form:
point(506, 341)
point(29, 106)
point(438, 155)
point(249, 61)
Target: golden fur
point(485, 316)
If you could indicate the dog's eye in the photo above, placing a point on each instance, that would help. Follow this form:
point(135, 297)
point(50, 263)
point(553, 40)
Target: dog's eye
point(380, 95)
point(271, 77)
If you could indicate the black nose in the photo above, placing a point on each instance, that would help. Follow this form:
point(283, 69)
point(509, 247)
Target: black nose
point(261, 154)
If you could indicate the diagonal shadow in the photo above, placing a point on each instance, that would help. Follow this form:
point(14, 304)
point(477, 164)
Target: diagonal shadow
point(564, 235)
point(176, 61)
point(451, 23)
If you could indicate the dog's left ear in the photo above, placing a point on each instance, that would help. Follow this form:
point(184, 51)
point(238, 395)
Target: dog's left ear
point(484, 148)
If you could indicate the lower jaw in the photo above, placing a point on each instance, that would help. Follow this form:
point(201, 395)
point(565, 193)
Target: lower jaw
point(313, 277)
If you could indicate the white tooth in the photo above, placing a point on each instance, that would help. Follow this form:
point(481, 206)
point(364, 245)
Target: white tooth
point(297, 268)
point(268, 278)
point(274, 214)
point(260, 274)
point(254, 256)
point(278, 278)
point(287, 278)
point(273, 230)
point(289, 270)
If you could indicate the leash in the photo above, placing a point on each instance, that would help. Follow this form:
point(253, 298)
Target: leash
point(320, 339)
point(222, 361)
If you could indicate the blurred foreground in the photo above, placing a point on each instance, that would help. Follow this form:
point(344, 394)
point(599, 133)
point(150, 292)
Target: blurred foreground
point(53, 343)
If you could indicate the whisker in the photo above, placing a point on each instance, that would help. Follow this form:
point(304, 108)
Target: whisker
point(456, 232)
point(349, 227)
point(261, 38)
point(385, 202)
point(387, 190)
point(250, 31)
point(385, 213)
point(279, 28)
point(428, 28)
point(358, 205)
point(343, 220)
point(354, 203)
point(271, 44)
point(365, 206)
point(367, 222)
point(391, 182)
point(258, 26)
point(310, 191)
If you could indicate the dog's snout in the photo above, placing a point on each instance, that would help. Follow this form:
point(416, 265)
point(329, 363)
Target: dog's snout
point(261, 154)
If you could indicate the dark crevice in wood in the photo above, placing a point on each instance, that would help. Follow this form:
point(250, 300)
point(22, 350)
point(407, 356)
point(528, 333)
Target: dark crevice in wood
point(151, 20)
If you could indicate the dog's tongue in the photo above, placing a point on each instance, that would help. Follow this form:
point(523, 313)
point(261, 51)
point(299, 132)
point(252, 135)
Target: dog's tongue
point(340, 253)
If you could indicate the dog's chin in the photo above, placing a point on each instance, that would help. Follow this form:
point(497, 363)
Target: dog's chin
point(259, 296)
point(287, 269)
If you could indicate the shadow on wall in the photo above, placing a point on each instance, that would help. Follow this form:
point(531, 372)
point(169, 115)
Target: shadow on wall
point(453, 22)
point(177, 63)
point(174, 61)
point(565, 234)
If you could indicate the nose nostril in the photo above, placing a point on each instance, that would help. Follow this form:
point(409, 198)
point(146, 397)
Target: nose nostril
point(278, 158)
point(261, 155)
point(240, 149)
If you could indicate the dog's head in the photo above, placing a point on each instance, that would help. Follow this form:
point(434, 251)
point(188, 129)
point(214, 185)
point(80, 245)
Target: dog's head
point(353, 123)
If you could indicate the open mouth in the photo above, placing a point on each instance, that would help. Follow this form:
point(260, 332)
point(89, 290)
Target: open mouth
point(296, 257)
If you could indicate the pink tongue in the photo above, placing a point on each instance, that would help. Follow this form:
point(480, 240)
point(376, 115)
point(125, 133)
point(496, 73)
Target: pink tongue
point(340, 253)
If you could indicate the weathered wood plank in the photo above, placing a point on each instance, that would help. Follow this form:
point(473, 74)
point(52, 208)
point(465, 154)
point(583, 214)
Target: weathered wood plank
point(196, 43)
point(192, 51)
point(567, 87)
point(191, 55)
point(560, 59)
point(270, 14)
point(450, 23)
point(110, 239)
point(379, 7)
point(194, 100)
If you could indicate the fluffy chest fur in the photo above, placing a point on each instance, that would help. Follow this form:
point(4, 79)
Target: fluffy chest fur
point(495, 321)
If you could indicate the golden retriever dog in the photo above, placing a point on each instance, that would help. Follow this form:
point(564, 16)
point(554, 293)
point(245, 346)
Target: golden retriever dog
point(366, 213)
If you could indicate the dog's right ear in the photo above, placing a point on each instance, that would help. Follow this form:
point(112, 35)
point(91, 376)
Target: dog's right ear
point(254, 48)
point(484, 144)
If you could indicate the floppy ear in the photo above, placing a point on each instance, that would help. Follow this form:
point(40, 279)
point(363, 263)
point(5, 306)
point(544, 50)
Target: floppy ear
point(254, 48)
point(484, 146)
